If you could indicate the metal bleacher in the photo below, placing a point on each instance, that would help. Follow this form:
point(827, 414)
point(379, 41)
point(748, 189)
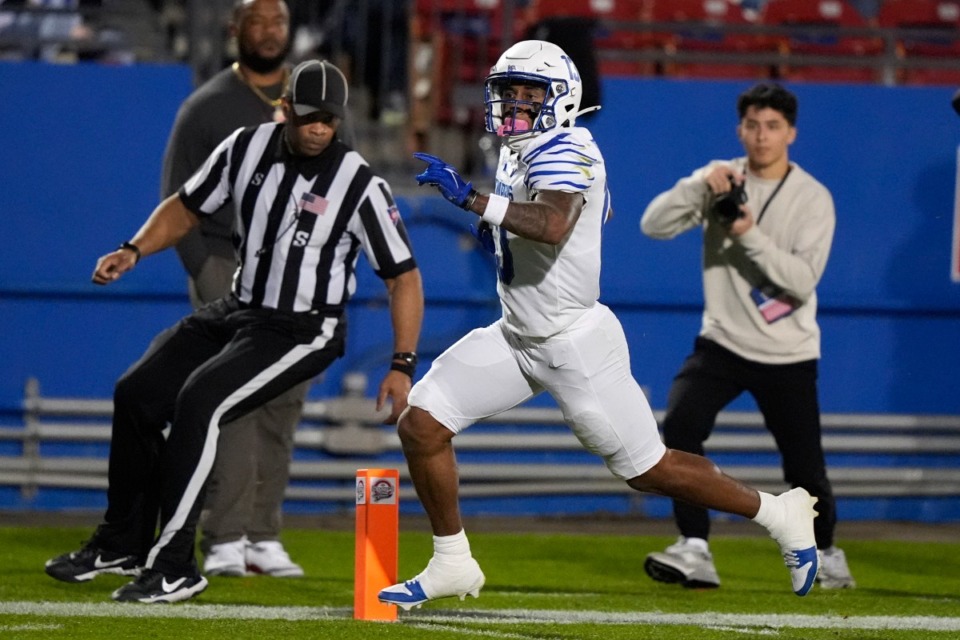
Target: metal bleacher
point(523, 452)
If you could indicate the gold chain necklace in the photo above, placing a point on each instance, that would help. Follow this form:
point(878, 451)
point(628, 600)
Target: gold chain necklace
point(278, 114)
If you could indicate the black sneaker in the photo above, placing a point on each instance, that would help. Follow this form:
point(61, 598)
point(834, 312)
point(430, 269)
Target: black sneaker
point(89, 562)
point(154, 586)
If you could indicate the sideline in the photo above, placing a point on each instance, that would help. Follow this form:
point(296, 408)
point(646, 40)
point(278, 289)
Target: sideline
point(509, 616)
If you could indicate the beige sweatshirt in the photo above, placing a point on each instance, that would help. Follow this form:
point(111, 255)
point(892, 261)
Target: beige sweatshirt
point(784, 255)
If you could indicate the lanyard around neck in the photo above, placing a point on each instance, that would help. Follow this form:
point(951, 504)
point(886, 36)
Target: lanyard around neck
point(775, 191)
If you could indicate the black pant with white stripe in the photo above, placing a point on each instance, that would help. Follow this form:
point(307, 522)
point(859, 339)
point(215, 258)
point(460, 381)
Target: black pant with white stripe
point(207, 370)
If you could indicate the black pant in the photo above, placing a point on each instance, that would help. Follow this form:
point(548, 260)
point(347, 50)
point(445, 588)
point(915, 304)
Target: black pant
point(786, 395)
point(207, 370)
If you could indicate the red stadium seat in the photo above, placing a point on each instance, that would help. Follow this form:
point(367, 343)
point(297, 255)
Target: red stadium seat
point(936, 40)
point(826, 21)
point(459, 40)
point(703, 29)
point(614, 24)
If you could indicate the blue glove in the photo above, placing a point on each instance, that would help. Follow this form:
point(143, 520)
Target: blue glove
point(484, 235)
point(445, 178)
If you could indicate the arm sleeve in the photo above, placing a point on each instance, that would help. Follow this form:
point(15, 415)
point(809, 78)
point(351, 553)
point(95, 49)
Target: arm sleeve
point(382, 233)
point(209, 188)
point(562, 163)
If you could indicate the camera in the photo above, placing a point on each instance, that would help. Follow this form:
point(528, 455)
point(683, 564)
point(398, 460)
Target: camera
point(726, 208)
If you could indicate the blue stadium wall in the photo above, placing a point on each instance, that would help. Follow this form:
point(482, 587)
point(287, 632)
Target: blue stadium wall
point(79, 172)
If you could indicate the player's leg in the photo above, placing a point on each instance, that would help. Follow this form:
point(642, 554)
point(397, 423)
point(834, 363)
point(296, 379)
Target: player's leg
point(788, 517)
point(475, 378)
point(703, 386)
point(617, 424)
point(587, 369)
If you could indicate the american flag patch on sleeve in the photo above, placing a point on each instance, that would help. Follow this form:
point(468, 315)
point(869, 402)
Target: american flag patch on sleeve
point(312, 203)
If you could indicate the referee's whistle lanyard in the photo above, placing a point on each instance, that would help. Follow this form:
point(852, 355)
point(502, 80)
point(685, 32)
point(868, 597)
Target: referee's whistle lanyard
point(263, 250)
point(269, 247)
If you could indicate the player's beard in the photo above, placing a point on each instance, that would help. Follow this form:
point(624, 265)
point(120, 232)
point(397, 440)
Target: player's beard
point(261, 64)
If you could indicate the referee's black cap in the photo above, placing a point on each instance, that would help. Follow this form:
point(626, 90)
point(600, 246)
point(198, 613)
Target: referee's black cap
point(317, 85)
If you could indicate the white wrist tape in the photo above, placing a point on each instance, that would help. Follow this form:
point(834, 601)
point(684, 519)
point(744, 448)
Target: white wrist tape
point(496, 209)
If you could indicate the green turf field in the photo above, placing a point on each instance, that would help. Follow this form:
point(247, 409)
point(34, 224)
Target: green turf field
point(539, 586)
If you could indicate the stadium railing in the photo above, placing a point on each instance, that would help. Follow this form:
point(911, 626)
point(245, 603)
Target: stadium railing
point(526, 451)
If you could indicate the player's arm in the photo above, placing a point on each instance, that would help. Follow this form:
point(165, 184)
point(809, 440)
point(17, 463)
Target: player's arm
point(549, 218)
point(169, 222)
point(406, 315)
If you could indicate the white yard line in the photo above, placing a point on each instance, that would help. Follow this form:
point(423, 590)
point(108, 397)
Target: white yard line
point(187, 611)
point(467, 616)
point(703, 619)
point(431, 626)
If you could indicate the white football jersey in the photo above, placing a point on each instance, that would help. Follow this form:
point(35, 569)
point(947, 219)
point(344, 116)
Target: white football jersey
point(544, 288)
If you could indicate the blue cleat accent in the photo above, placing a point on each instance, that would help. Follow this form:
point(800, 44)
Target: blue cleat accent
point(804, 565)
point(436, 581)
point(406, 596)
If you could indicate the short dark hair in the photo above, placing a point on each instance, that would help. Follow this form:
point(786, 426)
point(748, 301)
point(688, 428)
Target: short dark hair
point(769, 95)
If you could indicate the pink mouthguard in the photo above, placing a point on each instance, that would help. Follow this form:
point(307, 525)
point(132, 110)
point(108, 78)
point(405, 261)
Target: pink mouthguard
point(512, 126)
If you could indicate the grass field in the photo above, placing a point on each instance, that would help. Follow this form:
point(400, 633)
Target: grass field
point(539, 586)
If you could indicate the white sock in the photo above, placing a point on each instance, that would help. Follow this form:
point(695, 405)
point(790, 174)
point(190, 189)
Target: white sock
point(455, 548)
point(770, 514)
point(451, 559)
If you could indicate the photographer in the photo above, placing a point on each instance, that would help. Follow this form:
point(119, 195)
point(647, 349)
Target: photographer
point(767, 230)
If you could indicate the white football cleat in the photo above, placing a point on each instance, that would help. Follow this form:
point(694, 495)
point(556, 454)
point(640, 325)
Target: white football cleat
point(436, 581)
point(797, 542)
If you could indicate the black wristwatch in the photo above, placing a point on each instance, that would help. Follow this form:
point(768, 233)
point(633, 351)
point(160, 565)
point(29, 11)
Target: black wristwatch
point(408, 364)
point(129, 246)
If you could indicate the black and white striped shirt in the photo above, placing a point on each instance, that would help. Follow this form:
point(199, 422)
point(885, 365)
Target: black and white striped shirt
point(300, 222)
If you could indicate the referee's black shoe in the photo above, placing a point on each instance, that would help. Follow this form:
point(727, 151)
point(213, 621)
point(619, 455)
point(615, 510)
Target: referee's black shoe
point(89, 562)
point(155, 587)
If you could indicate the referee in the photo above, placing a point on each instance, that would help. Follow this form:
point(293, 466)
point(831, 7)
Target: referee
point(305, 206)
